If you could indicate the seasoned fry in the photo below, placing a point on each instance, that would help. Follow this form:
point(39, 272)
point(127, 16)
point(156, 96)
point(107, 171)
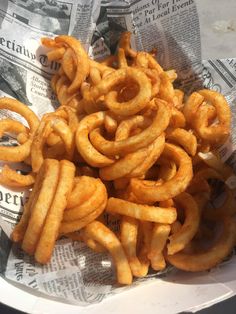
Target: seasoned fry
point(166, 91)
point(145, 235)
point(177, 119)
point(197, 115)
point(110, 123)
point(184, 235)
point(142, 212)
point(156, 148)
point(82, 69)
point(39, 140)
point(126, 108)
point(207, 259)
point(87, 207)
point(50, 230)
point(132, 143)
point(213, 162)
point(134, 164)
point(8, 125)
point(56, 54)
point(129, 237)
point(19, 230)
point(83, 188)
point(21, 152)
point(167, 169)
point(160, 234)
point(76, 225)
point(152, 193)
point(10, 177)
point(87, 151)
point(41, 206)
point(124, 43)
point(175, 227)
point(99, 232)
point(68, 64)
point(65, 134)
point(219, 132)
point(185, 139)
point(92, 244)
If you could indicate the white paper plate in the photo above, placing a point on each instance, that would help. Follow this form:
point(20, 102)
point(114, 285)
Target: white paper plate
point(178, 292)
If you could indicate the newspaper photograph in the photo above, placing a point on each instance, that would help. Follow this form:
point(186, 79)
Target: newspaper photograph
point(76, 273)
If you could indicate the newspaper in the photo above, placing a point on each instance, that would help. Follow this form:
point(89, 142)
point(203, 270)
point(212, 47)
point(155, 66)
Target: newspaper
point(76, 273)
